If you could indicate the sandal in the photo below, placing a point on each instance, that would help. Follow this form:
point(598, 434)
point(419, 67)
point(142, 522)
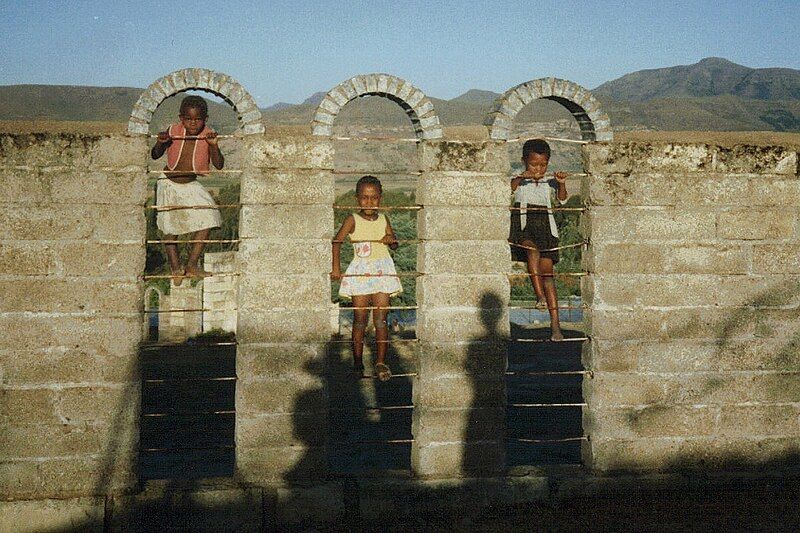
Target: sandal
point(384, 374)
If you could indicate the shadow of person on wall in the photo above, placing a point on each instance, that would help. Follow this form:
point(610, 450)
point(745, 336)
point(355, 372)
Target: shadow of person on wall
point(532, 351)
point(485, 364)
point(365, 412)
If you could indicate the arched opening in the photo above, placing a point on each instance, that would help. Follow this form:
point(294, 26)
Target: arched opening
point(188, 371)
point(544, 377)
point(379, 121)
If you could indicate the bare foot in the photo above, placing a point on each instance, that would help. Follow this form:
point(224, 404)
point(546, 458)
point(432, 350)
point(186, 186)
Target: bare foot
point(177, 276)
point(556, 335)
point(194, 272)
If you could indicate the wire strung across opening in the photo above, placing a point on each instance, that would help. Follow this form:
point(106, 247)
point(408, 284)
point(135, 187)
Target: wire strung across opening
point(565, 247)
point(180, 207)
point(204, 241)
point(554, 274)
point(195, 137)
point(552, 139)
point(184, 276)
point(168, 173)
point(565, 339)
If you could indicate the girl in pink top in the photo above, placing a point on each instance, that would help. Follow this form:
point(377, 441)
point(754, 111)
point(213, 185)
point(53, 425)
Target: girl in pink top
point(189, 145)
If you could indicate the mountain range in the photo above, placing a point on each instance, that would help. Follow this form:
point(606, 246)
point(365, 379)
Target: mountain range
point(713, 94)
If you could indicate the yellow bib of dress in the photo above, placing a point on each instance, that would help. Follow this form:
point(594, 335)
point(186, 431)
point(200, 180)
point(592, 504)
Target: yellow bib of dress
point(369, 230)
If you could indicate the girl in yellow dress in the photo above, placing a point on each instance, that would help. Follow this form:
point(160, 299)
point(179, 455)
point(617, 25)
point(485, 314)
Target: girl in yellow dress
point(371, 278)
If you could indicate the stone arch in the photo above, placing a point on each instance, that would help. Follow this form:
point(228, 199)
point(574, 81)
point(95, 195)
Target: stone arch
point(417, 106)
point(150, 290)
point(187, 79)
point(594, 123)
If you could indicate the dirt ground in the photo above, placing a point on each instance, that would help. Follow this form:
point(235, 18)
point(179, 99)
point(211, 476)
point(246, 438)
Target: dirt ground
point(725, 511)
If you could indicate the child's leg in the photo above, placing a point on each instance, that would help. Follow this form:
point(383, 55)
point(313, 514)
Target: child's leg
point(380, 300)
point(551, 295)
point(359, 325)
point(174, 259)
point(197, 250)
point(533, 270)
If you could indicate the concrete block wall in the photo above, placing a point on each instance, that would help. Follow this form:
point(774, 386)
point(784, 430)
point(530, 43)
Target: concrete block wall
point(176, 326)
point(219, 292)
point(71, 251)
point(462, 321)
point(693, 297)
point(286, 227)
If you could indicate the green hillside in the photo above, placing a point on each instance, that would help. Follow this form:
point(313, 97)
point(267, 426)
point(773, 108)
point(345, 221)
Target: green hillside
point(713, 94)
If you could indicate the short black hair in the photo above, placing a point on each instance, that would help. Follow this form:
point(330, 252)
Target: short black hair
point(369, 180)
point(196, 102)
point(535, 146)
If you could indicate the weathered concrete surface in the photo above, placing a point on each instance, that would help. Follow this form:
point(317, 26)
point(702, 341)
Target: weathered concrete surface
point(693, 307)
point(462, 322)
point(283, 302)
point(71, 301)
point(76, 514)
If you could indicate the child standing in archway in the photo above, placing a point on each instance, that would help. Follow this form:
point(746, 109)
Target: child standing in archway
point(371, 278)
point(189, 145)
point(533, 227)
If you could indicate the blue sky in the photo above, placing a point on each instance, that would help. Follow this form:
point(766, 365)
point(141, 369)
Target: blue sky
point(286, 50)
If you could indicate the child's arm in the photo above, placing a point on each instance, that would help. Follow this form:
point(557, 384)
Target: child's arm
point(347, 228)
point(561, 180)
point(389, 239)
point(515, 183)
point(162, 143)
point(213, 150)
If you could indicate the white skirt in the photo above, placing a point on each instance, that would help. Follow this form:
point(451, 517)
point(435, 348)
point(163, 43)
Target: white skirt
point(382, 278)
point(181, 221)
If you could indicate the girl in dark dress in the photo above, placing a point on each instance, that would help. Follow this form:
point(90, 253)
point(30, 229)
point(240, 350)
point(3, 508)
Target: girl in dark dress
point(533, 228)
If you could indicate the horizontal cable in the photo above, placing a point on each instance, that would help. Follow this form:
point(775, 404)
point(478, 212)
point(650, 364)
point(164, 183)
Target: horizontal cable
point(187, 448)
point(371, 409)
point(205, 241)
point(553, 139)
point(161, 345)
point(546, 441)
point(383, 139)
point(568, 339)
point(553, 175)
point(398, 241)
point(386, 307)
point(386, 441)
point(381, 208)
point(186, 380)
point(187, 415)
point(195, 137)
point(553, 275)
point(408, 375)
point(180, 310)
point(566, 246)
point(376, 341)
point(374, 173)
point(534, 307)
point(407, 274)
point(550, 373)
point(548, 209)
point(188, 276)
point(180, 207)
point(530, 405)
point(168, 173)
